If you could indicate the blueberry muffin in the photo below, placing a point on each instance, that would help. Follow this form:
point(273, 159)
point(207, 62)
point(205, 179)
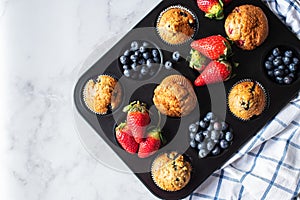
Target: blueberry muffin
point(102, 95)
point(247, 99)
point(176, 25)
point(171, 172)
point(247, 26)
point(175, 96)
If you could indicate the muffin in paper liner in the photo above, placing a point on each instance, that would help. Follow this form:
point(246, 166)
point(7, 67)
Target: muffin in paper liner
point(102, 95)
point(176, 25)
point(247, 99)
point(175, 96)
point(247, 25)
point(171, 171)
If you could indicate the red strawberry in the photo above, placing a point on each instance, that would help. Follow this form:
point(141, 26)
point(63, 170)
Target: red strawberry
point(125, 138)
point(137, 119)
point(212, 8)
point(151, 144)
point(214, 47)
point(215, 71)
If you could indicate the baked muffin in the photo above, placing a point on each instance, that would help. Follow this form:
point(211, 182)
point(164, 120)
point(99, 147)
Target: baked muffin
point(171, 172)
point(247, 26)
point(176, 25)
point(102, 95)
point(247, 99)
point(175, 96)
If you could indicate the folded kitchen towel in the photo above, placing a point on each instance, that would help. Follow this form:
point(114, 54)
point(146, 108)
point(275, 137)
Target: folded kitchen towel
point(268, 166)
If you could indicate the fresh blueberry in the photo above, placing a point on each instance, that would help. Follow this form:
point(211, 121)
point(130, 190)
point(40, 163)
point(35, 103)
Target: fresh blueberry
point(293, 67)
point(210, 145)
point(292, 75)
point(144, 70)
point(276, 52)
point(279, 79)
point(211, 116)
point(201, 145)
point(268, 65)
point(124, 60)
point(203, 124)
point(193, 128)
point(217, 126)
point(199, 137)
point(278, 73)
point(155, 53)
point(215, 135)
point(149, 62)
point(134, 45)
point(135, 67)
point(271, 73)
point(202, 153)
point(216, 151)
point(193, 143)
point(277, 61)
point(192, 136)
point(168, 65)
point(286, 71)
point(142, 49)
point(288, 53)
point(286, 60)
point(138, 54)
point(127, 73)
point(176, 56)
point(281, 67)
point(207, 120)
point(287, 80)
point(271, 58)
point(125, 67)
point(224, 144)
point(133, 58)
point(224, 126)
point(127, 53)
point(296, 61)
point(228, 136)
point(206, 134)
point(146, 55)
point(141, 61)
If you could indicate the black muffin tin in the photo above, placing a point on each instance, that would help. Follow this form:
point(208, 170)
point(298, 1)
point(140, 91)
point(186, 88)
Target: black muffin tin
point(176, 129)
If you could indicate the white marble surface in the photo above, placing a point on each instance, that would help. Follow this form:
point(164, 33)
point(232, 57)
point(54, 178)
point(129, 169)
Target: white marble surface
point(43, 45)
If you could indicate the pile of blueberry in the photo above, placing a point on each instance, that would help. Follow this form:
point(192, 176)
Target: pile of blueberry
point(282, 66)
point(140, 61)
point(210, 136)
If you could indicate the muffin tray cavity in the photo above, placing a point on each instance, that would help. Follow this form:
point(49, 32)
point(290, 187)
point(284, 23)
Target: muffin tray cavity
point(211, 98)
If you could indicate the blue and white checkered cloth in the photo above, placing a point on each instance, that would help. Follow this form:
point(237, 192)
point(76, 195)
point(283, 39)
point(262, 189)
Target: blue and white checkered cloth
point(268, 166)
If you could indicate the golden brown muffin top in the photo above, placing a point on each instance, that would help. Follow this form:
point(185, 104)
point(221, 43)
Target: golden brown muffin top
point(247, 99)
point(247, 25)
point(171, 172)
point(175, 96)
point(102, 93)
point(176, 25)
